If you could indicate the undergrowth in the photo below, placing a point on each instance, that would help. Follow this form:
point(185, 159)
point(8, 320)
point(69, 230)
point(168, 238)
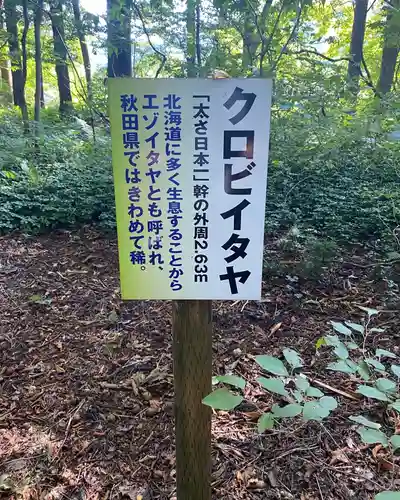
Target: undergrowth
point(337, 188)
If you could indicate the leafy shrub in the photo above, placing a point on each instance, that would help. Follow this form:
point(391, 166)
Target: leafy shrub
point(63, 182)
point(301, 398)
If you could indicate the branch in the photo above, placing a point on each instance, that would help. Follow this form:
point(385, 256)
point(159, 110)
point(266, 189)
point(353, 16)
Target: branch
point(323, 56)
point(368, 80)
point(258, 27)
point(265, 11)
point(158, 52)
point(266, 45)
point(296, 25)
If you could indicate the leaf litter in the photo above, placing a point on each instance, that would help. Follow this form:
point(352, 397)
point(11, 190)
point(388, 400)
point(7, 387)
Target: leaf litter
point(86, 387)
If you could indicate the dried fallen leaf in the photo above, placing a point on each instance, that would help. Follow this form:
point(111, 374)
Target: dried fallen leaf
point(256, 484)
point(272, 478)
point(275, 328)
point(339, 456)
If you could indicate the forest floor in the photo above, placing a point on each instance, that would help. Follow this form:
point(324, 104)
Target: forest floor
point(86, 391)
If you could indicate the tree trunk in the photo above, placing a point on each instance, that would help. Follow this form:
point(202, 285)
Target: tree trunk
point(5, 65)
point(38, 64)
point(15, 55)
point(191, 38)
point(198, 34)
point(119, 38)
point(391, 48)
point(42, 103)
point(357, 43)
point(6, 76)
point(60, 54)
point(84, 47)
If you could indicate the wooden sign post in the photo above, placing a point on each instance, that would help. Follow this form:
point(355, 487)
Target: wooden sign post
point(190, 171)
point(192, 352)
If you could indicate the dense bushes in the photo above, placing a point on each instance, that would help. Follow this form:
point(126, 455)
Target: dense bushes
point(62, 182)
point(326, 179)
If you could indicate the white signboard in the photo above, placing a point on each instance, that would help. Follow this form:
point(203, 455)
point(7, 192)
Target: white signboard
point(190, 170)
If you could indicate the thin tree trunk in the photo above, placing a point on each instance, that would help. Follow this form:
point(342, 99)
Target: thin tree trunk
point(119, 38)
point(191, 38)
point(357, 43)
point(391, 49)
point(5, 65)
point(60, 53)
point(15, 55)
point(84, 47)
point(38, 65)
point(42, 102)
point(198, 27)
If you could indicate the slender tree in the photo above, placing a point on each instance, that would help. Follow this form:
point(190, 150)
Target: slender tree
point(84, 48)
point(357, 43)
point(38, 63)
point(391, 47)
point(191, 38)
point(119, 38)
point(60, 54)
point(16, 60)
point(5, 65)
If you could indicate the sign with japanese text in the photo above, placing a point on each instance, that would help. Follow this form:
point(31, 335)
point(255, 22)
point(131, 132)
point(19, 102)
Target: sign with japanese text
point(190, 171)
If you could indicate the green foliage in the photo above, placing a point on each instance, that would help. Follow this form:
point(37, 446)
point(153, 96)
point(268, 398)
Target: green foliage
point(305, 400)
point(63, 182)
point(222, 399)
point(380, 388)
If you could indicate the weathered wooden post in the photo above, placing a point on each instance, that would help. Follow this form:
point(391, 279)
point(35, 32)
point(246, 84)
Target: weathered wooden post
point(192, 352)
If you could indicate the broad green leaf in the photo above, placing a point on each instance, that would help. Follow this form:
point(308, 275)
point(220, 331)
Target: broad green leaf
point(328, 402)
point(35, 298)
point(368, 310)
point(355, 326)
point(290, 410)
point(340, 366)
point(312, 410)
point(293, 358)
point(372, 436)
point(232, 380)
point(214, 380)
point(385, 385)
point(301, 383)
point(376, 364)
point(395, 405)
point(352, 345)
point(340, 328)
point(265, 422)
point(222, 399)
point(388, 495)
point(298, 396)
point(313, 392)
point(341, 351)
point(275, 385)
point(272, 365)
point(320, 342)
point(395, 441)
point(352, 365)
point(363, 370)
point(365, 422)
point(332, 340)
point(396, 370)
point(385, 353)
point(371, 392)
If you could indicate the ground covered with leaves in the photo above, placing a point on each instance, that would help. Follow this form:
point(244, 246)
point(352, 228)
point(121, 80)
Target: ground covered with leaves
point(86, 389)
